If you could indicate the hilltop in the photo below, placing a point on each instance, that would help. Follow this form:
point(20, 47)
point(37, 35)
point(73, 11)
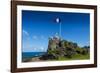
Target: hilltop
point(60, 49)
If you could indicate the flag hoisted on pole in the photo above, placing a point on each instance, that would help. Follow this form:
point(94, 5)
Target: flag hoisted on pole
point(59, 22)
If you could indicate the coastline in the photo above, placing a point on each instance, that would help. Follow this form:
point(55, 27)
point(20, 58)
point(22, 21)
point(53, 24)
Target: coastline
point(76, 57)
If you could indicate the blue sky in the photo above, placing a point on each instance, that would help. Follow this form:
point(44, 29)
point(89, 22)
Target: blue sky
point(38, 26)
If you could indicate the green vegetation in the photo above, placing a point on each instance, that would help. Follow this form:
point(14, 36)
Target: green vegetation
point(65, 50)
point(76, 57)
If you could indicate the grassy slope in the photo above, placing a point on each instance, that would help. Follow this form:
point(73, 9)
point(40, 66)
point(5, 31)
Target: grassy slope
point(76, 57)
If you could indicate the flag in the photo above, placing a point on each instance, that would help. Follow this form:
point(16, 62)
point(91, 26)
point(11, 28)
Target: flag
point(57, 20)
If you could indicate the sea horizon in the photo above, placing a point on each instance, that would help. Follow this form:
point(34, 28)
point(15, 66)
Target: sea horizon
point(27, 55)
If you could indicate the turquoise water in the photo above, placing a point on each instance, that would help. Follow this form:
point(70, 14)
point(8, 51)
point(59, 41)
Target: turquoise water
point(26, 55)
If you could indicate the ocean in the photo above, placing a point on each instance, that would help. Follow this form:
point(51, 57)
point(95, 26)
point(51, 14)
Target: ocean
point(27, 55)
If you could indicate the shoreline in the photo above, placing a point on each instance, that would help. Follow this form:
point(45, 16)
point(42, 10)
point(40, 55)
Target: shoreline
point(37, 59)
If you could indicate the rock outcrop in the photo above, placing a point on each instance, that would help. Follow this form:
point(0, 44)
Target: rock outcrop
point(62, 48)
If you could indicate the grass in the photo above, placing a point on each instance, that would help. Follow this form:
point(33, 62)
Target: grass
point(75, 57)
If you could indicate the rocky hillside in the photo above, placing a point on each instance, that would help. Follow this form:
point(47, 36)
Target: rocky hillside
point(58, 47)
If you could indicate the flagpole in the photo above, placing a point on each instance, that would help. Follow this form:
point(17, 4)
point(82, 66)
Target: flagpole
point(60, 29)
point(58, 21)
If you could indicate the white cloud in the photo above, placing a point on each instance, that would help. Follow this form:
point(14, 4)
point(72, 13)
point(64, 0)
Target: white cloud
point(38, 37)
point(25, 32)
point(34, 49)
point(42, 49)
point(42, 37)
point(39, 49)
point(35, 37)
point(88, 43)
